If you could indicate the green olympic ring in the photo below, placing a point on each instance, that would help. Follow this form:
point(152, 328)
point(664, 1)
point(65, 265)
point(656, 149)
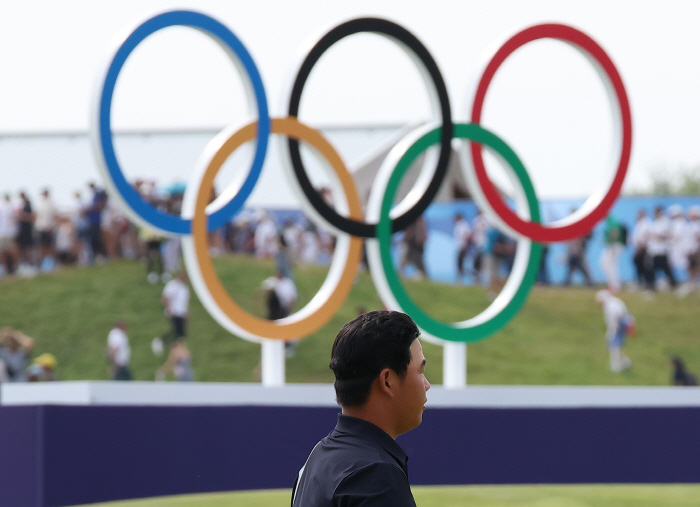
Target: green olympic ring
point(528, 255)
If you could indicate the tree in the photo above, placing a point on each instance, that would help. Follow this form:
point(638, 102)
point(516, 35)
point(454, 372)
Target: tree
point(686, 181)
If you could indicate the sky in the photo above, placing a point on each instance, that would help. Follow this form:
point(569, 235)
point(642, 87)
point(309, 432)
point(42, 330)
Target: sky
point(546, 100)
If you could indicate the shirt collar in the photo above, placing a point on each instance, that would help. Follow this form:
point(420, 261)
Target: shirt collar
point(365, 429)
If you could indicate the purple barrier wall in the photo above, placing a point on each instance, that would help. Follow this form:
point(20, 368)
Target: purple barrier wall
point(60, 455)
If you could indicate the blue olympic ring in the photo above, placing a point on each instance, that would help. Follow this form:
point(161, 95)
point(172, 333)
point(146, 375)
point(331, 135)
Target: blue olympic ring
point(209, 26)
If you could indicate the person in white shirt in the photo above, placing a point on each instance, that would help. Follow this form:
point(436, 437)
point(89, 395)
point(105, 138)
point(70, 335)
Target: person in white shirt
point(65, 240)
point(310, 245)
point(266, 238)
point(694, 247)
point(679, 247)
point(45, 225)
point(658, 246)
point(8, 232)
point(78, 216)
point(618, 322)
point(176, 300)
point(462, 234)
point(118, 351)
point(639, 239)
point(281, 295)
point(292, 233)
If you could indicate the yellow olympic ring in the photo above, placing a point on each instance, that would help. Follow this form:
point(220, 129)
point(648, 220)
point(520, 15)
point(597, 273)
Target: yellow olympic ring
point(205, 280)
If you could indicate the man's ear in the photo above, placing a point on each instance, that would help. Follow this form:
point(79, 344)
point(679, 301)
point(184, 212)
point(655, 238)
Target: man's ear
point(386, 381)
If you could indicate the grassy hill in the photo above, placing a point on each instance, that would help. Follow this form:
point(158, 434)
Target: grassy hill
point(556, 339)
point(645, 495)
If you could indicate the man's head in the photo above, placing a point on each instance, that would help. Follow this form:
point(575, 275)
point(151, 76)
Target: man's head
point(675, 211)
point(378, 355)
point(603, 296)
point(47, 362)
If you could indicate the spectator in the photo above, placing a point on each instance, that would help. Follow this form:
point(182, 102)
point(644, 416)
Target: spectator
point(118, 352)
point(543, 272)
point(172, 248)
point(266, 238)
point(694, 254)
point(154, 257)
point(292, 233)
point(15, 349)
point(498, 251)
point(78, 215)
point(310, 244)
point(462, 234)
point(481, 225)
point(283, 258)
point(681, 376)
point(576, 259)
point(641, 259)
point(615, 239)
point(281, 296)
point(680, 246)
point(179, 362)
point(8, 233)
point(658, 247)
point(45, 225)
point(172, 255)
point(65, 241)
point(414, 238)
point(618, 323)
point(176, 300)
point(25, 233)
point(43, 369)
point(94, 218)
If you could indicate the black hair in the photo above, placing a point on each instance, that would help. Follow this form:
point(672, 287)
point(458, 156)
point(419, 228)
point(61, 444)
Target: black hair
point(364, 347)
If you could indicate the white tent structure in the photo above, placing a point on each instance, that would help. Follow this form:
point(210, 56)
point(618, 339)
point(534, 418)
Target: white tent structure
point(64, 162)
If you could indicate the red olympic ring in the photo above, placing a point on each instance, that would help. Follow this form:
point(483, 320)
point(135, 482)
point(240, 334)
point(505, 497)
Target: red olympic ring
point(575, 225)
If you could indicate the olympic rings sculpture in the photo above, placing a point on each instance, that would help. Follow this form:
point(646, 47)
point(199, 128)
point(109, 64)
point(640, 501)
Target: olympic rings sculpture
point(346, 220)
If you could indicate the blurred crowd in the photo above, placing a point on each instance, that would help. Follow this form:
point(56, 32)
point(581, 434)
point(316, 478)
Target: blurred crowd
point(36, 236)
point(668, 243)
point(665, 251)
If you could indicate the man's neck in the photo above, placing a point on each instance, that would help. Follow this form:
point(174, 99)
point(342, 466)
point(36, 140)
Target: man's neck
point(373, 415)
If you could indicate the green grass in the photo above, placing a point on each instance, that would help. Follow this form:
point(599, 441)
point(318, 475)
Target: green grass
point(556, 339)
point(459, 496)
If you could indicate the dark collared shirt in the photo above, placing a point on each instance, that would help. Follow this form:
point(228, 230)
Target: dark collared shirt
point(356, 464)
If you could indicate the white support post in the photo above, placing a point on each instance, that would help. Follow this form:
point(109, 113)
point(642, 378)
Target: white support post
point(454, 365)
point(273, 363)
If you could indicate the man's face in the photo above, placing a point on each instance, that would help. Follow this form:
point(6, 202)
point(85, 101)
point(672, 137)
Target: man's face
point(411, 396)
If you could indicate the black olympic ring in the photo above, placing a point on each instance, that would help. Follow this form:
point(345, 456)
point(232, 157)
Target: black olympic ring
point(403, 36)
